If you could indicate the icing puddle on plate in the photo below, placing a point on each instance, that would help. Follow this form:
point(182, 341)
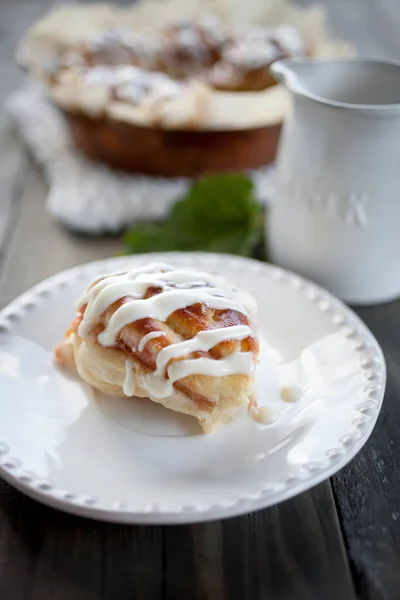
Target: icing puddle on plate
point(292, 392)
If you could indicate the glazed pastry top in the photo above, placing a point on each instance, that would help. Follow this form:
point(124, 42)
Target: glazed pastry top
point(192, 323)
point(105, 61)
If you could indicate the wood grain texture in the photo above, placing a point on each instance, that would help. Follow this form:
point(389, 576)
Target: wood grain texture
point(39, 247)
point(368, 490)
point(293, 550)
point(13, 169)
point(15, 17)
point(46, 554)
point(290, 551)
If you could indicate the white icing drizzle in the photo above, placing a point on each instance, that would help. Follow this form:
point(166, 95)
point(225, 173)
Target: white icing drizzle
point(265, 415)
point(129, 381)
point(134, 285)
point(237, 362)
point(290, 393)
point(150, 336)
point(179, 289)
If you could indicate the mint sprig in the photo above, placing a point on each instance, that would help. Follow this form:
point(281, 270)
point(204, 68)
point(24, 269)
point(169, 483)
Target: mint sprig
point(219, 213)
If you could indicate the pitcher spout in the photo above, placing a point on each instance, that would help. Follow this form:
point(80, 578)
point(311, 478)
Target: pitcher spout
point(348, 83)
point(287, 72)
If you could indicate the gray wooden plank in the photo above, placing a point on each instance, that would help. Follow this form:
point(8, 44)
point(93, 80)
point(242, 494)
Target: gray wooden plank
point(48, 555)
point(290, 551)
point(15, 17)
point(293, 550)
point(209, 560)
point(22, 187)
point(367, 491)
point(13, 168)
point(13, 162)
point(40, 247)
point(179, 573)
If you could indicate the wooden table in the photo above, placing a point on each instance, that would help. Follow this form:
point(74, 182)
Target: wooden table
point(341, 540)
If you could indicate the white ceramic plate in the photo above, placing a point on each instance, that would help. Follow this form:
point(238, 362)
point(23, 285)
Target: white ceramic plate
point(133, 461)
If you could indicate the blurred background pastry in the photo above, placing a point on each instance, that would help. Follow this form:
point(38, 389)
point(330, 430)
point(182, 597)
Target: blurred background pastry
point(142, 85)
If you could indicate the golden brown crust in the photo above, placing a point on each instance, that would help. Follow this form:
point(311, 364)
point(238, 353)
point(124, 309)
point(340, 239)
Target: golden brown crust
point(210, 399)
point(183, 324)
point(243, 80)
point(149, 151)
point(104, 369)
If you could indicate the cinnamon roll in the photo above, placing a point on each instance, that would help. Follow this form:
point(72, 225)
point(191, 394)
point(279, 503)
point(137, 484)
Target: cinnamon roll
point(181, 338)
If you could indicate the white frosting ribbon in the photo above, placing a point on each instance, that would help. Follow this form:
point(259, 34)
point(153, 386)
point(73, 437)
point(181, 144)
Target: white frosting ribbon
point(179, 289)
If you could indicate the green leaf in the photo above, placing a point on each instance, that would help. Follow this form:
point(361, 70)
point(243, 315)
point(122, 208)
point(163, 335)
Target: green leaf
point(218, 214)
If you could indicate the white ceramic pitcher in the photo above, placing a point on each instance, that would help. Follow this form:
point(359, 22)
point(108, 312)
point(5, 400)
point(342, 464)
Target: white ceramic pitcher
point(336, 212)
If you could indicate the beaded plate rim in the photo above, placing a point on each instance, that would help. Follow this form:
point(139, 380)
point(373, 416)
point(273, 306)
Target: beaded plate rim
point(371, 362)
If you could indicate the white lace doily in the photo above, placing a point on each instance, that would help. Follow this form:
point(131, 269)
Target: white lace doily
point(87, 196)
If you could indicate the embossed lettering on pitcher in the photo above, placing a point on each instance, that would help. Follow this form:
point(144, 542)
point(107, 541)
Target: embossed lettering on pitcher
point(350, 208)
